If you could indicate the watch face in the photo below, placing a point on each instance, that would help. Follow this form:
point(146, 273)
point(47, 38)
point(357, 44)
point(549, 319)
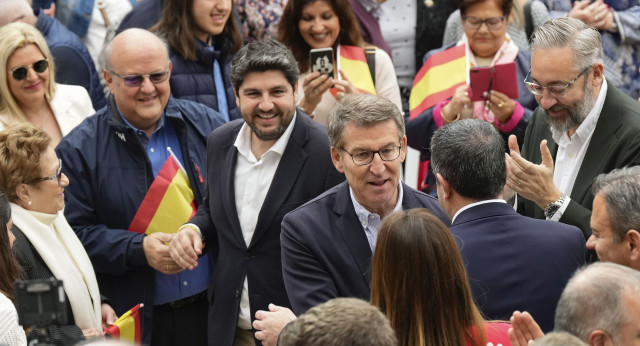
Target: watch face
point(551, 210)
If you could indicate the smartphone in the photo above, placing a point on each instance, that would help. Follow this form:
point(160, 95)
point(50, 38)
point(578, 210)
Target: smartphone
point(321, 60)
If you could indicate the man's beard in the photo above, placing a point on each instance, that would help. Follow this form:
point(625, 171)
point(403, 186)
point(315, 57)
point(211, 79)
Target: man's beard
point(575, 114)
point(285, 120)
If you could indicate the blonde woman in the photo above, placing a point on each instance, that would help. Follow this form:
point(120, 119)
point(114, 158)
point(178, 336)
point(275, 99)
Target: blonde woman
point(28, 91)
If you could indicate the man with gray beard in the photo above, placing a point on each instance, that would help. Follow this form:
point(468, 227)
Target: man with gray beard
point(583, 127)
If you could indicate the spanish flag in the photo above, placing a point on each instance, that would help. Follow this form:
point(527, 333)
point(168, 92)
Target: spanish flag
point(438, 79)
point(353, 62)
point(169, 203)
point(127, 327)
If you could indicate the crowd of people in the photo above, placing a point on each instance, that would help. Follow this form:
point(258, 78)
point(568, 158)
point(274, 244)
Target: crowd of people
point(185, 156)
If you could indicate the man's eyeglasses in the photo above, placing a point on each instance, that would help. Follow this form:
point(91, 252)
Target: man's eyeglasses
point(136, 79)
point(20, 73)
point(474, 23)
point(365, 157)
point(57, 176)
point(556, 90)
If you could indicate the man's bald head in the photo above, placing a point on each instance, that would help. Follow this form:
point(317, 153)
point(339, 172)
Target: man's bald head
point(16, 11)
point(135, 41)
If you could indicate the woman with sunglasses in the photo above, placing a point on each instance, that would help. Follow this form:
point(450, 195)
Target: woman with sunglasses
point(202, 37)
point(487, 44)
point(28, 91)
point(46, 246)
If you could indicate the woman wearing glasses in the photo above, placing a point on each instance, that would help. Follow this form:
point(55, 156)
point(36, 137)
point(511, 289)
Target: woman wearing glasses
point(203, 36)
point(46, 246)
point(487, 44)
point(28, 91)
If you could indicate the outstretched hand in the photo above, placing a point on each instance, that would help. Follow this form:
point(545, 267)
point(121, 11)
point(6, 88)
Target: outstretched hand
point(524, 329)
point(531, 181)
point(270, 323)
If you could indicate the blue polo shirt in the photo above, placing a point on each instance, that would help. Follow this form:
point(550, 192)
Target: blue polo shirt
point(174, 287)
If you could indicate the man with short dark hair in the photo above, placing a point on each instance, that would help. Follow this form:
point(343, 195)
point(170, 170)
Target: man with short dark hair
point(513, 262)
point(113, 159)
point(584, 126)
point(327, 244)
point(259, 168)
point(340, 321)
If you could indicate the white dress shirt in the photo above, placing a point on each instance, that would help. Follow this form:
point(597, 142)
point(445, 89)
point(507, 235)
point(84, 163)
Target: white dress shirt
point(571, 151)
point(252, 179)
point(371, 221)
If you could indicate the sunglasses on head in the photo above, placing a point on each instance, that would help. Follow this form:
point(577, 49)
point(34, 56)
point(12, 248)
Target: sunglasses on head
point(20, 73)
point(136, 79)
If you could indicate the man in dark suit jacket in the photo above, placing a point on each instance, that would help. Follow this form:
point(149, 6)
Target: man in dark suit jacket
point(583, 127)
point(327, 243)
point(513, 262)
point(259, 169)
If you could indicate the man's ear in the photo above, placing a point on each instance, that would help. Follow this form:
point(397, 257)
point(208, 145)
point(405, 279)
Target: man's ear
point(235, 91)
point(633, 238)
point(597, 74)
point(599, 338)
point(295, 93)
point(444, 186)
point(337, 160)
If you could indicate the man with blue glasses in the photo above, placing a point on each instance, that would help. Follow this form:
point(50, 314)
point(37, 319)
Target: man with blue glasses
point(584, 126)
point(116, 159)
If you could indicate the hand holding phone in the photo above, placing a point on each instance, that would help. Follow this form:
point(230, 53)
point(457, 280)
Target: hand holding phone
point(321, 60)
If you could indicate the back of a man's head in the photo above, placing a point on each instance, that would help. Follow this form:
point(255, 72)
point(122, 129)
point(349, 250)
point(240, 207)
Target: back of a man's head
point(595, 301)
point(469, 154)
point(559, 339)
point(340, 321)
point(16, 11)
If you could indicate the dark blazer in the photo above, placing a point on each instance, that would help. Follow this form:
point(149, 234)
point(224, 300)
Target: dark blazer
point(325, 252)
point(615, 144)
point(305, 171)
point(515, 262)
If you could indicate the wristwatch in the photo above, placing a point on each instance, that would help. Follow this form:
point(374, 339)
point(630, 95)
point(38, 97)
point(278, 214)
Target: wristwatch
point(553, 207)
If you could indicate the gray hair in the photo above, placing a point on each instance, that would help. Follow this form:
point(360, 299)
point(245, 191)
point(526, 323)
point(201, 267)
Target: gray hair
point(104, 60)
point(584, 40)
point(593, 300)
point(559, 339)
point(469, 154)
point(340, 321)
point(361, 110)
point(621, 191)
point(261, 56)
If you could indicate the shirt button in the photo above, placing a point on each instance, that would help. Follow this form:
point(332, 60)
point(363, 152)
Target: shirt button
point(237, 293)
point(185, 283)
point(152, 150)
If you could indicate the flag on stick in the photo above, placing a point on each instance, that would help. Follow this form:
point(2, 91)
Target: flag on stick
point(438, 79)
point(168, 204)
point(127, 327)
point(353, 62)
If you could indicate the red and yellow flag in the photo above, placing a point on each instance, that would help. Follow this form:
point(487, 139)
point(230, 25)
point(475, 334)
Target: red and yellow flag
point(169, 203)
point(438, 79)
point(127, 327)
point(353, 62)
